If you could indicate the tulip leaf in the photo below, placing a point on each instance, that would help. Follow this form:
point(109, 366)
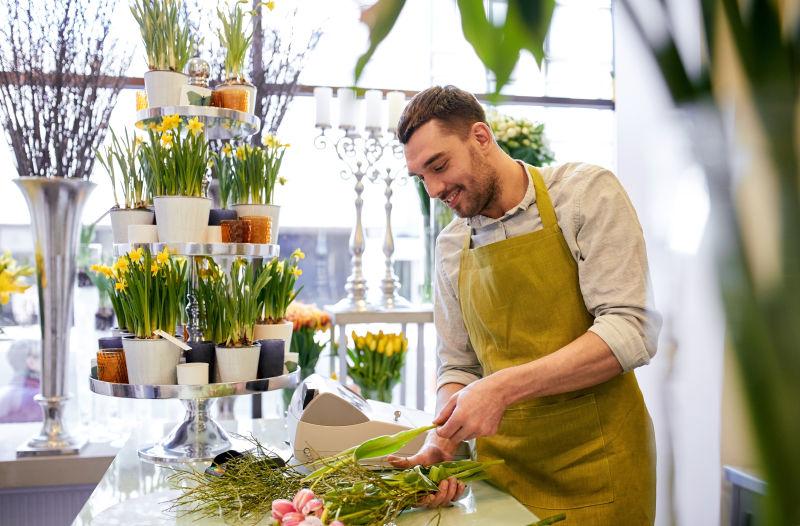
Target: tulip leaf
point(387, 444)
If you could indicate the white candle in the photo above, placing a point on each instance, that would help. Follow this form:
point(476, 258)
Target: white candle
point(193, 373)
point(373, 98)
point(397, 102)
point(347, 107)
point(323, 96)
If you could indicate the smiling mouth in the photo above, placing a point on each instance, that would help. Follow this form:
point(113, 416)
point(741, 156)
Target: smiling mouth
point(451, 198)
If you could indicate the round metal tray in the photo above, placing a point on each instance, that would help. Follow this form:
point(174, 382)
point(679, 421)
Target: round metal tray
point(247, 250)
point(192, 392)
point(198, 437)
point(220, 123)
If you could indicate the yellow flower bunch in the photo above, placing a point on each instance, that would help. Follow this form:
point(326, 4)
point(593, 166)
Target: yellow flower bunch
point(376, 362)
point(10, 275)
point(176, 155)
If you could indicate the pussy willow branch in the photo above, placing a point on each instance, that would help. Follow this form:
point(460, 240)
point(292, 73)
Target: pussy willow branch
point(60, 75)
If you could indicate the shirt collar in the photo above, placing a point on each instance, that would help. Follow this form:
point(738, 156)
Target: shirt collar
point(527, 200)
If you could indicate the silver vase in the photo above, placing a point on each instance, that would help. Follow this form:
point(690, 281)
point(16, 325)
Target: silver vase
point(55, 206)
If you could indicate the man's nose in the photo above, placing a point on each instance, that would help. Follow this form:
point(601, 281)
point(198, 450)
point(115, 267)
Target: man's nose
point(435, 188)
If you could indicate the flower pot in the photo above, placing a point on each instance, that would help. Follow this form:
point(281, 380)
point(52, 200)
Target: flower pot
point(142, 234)
point(203, 352)
point(270, 361)
point(279, 331)
point(164, 87)
point(151, 361)
point(182, 219)
point(238, 364)
point(271, 211)
point(122, 217)
point(217, 215)
point(109, 342)
point(235, 94)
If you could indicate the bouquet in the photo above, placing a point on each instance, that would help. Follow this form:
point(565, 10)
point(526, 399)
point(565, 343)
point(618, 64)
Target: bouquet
point(375, 363)
point(341, 492)
point(10, 277)
point(175, 158)
point(123, 154)
point(279, 292)
point(308, 320)
point(147, 291)
point(521, 139)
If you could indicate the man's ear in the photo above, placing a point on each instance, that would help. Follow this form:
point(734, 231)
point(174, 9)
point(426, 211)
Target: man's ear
point(481, 132)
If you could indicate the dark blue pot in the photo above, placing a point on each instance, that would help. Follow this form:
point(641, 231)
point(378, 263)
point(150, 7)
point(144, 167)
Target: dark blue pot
point(203, 352)
point(270, 361)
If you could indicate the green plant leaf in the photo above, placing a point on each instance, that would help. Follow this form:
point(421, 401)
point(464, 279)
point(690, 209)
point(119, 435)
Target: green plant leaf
point(380, 17)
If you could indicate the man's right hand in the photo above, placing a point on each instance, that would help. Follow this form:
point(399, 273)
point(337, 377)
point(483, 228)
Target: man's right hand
point(435, 449)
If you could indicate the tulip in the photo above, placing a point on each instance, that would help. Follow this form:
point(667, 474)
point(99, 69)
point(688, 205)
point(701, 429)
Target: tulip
point(303, 497)
point(336, 523)
point(294, 518)
point(281, 507)
point(313, 507)
point(312, 521)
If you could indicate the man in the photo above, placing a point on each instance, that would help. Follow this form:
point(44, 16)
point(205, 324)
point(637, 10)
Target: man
point(542, 311)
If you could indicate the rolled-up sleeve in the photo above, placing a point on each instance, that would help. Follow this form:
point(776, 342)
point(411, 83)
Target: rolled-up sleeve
point(459, 363)
point(613, 271)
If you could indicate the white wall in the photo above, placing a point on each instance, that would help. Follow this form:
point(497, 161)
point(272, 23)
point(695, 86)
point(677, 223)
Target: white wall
point(682, 385)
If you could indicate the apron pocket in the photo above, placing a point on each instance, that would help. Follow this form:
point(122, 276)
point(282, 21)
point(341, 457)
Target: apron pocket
point(555, 455)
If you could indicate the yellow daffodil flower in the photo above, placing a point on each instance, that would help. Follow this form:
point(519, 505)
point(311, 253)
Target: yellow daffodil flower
point(8, 286)
point(241, 153)
point(270, 5)
point(154, 268)
point(227, 150)
point(121, 286)
point(163, 256)
point(270, 141)
point(171, 122)
point(210, 163)
point(166, 140)
point(298, 254)
point(195, 126)
point(282, 180)
point(136, 255)
point(137, 141)
point(121, 266)
point(297, 272)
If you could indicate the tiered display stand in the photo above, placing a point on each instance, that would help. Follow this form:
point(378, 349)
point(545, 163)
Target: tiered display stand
point(198, 437)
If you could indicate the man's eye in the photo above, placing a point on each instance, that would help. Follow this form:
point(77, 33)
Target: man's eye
point(440, 167)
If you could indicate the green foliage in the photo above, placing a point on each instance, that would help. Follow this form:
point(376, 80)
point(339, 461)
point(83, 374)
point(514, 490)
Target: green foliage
point(175, 158)
point(230, 302)
point(122, 154)
point(234, 39)
point(254, 170)
point(279, 292)
point(167, 39)
point(498, 47)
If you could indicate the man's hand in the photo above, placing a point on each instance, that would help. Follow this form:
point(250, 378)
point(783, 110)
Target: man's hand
point(472, 412)
point(435, 449)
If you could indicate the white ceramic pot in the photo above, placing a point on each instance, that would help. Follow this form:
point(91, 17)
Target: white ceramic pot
point(238, 364)
point(121, 218)
point(192, 373)
point(278, 331)
point(271, 211)
point(151, 362)
point(142, 234)
point(213, 234)
point(164, 87)
point(182, 219)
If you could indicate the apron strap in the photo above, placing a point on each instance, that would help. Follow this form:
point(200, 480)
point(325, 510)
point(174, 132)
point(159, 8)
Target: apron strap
point(546, 210)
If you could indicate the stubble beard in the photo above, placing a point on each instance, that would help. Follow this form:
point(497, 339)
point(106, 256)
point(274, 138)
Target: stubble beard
point(484, 189)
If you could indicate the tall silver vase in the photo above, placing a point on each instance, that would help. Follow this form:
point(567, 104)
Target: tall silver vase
point(55, 205)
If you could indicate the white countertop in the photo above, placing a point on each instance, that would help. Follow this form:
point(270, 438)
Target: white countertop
point(135, 492)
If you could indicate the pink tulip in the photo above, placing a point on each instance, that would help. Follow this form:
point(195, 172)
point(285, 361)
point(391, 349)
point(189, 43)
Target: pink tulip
point(280, 507)
point(336, 523)
point(294, 518)
point(312, 521)
point(302, 498)
point(313, 507)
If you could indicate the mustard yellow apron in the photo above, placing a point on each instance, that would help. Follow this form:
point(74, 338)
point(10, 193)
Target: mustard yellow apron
point(588, 453)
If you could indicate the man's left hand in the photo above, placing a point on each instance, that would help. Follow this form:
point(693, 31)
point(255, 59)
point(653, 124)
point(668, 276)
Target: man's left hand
point(472, 412)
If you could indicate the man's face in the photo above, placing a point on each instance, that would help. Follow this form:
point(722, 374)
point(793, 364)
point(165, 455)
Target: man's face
point(453, 169)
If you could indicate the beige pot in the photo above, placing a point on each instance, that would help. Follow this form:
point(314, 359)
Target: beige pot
point(278, 331)
point(164, 87)
point(271, 211)
point(151, 362)
point(238, 364)
point(182, 219)
point(122, 218)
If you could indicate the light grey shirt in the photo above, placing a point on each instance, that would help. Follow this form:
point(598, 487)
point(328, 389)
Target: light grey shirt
point(604, 235)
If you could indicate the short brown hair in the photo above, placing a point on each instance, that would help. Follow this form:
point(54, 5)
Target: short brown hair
point(457, 110)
